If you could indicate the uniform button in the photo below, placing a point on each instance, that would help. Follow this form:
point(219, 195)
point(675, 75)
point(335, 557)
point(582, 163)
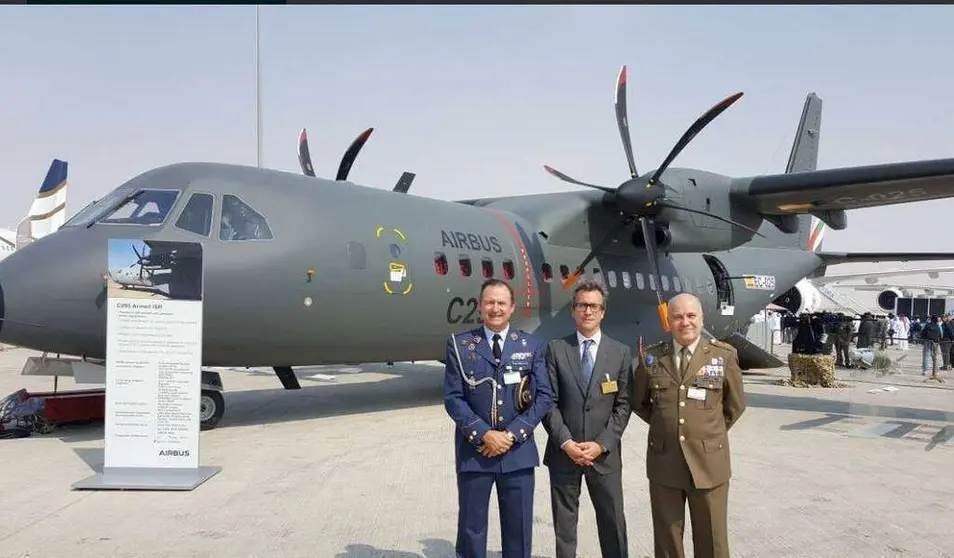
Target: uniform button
point(499, 419)
point(682, 403)
point(682, 438)
point(656, 385)
point(500, 402)
point(682, 421)
point(474, 433)
point(682, 388)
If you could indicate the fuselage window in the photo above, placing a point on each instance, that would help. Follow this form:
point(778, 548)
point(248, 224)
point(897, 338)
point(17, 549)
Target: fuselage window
point(440, 263)
point(488, 267)
point(465, 268)
point(564, 271)
point(143, 208)
point(598, 277)
point(196, 217)
point(665, 282)
point(547, 273)
point(611, 275)
point(241, 222)
point(508, 269)
point(627, 282)
point(640, 282)
point(676, 285)
point(652, 282)
point(357, 258)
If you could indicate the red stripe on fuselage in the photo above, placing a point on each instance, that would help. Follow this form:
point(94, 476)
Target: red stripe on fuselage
point(527, 269)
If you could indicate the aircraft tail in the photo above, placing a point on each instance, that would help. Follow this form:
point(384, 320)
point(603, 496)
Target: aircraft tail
point(803, 158)
point(48, 211)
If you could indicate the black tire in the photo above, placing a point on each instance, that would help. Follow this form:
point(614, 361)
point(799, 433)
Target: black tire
point(211, 410)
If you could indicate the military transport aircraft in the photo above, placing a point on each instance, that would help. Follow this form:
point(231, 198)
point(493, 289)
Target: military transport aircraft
point(304, 271)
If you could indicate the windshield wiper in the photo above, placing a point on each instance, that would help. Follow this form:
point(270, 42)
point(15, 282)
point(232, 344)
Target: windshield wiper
point(121, 203)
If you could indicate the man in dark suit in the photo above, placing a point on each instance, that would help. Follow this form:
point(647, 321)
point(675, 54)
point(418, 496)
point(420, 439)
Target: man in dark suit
point(496, 389)
point(589, 375)
point(690, 392)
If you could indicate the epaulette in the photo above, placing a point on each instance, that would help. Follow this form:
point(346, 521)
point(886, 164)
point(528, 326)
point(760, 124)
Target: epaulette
point(722, 345)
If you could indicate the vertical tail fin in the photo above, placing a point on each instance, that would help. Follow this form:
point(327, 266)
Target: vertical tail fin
point(803, 158)
point(48, 211)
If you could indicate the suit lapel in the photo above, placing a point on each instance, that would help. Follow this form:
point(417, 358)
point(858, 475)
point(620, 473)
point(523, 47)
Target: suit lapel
point(699, 357)
point(668, 361)
point(483, 345)
point(572, 352)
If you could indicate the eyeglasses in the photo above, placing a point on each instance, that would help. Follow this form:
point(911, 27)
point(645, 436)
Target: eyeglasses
point(591, 306)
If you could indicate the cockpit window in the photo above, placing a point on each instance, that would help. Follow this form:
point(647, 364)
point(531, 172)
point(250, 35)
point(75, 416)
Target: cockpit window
point(196, 217)
point(241, 222)
point(95, 208)
point(144, 208)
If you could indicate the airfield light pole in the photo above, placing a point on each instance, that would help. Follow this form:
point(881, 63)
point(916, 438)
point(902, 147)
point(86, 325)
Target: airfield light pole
point(258, 92)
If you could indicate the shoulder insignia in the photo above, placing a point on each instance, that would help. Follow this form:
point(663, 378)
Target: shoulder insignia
point(722, 345)
point(662, 347)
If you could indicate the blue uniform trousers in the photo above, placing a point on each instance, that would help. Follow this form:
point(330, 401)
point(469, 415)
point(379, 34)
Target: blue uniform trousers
point(515, 501)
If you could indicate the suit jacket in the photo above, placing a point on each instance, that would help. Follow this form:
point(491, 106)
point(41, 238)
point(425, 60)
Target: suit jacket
point(581, 412)
point(472, 407)
point(688, 443)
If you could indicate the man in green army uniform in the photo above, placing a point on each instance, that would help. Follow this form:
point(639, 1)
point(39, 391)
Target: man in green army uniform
point(841, 338)
point(689, 390)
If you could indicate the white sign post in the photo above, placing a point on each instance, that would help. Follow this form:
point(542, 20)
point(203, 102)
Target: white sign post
point(153, 368)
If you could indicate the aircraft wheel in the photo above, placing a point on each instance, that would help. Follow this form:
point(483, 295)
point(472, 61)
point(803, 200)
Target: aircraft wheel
point(211, 409)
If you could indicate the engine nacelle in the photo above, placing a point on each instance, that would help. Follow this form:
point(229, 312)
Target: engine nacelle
point(887, 299)
point(803, 297)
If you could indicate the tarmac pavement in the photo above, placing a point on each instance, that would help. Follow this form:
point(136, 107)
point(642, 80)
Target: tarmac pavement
point(359, 463)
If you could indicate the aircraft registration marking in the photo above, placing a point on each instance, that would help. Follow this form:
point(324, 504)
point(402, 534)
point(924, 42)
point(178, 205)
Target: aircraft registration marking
point(892, 196)
point(760, 282)
point(527, 271)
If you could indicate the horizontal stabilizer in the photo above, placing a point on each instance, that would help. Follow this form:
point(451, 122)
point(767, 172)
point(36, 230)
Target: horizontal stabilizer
point(848, 188)
point(751, 356)
point(833, 258)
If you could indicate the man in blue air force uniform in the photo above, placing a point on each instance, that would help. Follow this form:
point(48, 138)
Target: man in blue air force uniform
point(497, 390)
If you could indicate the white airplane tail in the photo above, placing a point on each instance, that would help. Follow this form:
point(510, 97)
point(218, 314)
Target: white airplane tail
point(48, 212)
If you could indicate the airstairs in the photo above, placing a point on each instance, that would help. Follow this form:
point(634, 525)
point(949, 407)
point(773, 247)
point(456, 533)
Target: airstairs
point(843, 300)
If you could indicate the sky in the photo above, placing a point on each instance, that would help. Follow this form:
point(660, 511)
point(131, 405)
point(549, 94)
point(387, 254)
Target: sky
point(476, 99)
point(122, 254)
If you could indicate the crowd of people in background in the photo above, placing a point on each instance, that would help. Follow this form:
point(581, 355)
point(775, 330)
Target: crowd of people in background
point(827, 332)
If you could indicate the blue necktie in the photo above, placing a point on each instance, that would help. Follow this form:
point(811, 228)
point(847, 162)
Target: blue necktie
point(587, 361)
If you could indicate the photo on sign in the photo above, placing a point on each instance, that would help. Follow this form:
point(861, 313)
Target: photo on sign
point(157, 270)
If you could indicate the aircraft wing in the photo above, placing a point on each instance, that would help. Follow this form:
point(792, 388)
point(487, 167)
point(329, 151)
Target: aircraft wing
point(848, 188)
point(931, 271)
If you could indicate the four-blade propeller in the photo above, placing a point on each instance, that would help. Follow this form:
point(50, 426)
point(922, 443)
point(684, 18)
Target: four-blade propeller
point(347, 160)
point(643, 197)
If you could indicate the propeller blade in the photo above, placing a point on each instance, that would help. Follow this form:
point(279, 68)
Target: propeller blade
point(304, 155)
point(650, 241)
point(607, 236)
point(672, 205)
point(694, 130)
point(566, 178)
point(623, 121)
point(404, 183)
point(348, 159)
